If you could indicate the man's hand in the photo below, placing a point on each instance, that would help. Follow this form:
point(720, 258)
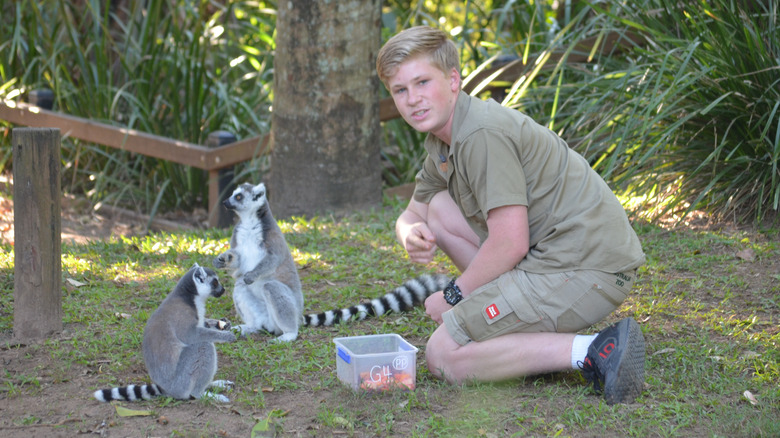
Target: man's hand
point(435, 306)
point(420, 243)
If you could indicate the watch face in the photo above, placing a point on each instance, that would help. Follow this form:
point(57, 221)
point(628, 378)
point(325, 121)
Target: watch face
point(451, 296)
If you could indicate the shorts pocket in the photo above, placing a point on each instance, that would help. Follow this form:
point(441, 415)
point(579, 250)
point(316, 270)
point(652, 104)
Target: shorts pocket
point(497, 308)
point(593, 306)
point(516, 299)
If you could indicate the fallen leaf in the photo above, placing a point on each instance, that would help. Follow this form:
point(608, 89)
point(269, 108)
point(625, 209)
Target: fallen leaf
point(664, 351)
point(748, 354)
point(747, 255)
point(124, 412)
point(75, 283)
point(750, 397)
point(263, 428)
point(342, 422)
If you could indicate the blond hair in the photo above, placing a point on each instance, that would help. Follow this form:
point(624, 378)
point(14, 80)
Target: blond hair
point(426, 41)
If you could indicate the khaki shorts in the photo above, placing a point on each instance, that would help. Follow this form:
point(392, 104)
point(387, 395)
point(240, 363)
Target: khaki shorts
point(519, 301)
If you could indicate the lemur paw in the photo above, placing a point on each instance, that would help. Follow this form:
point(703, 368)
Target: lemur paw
point(208, 395)
point(222, 384)
point(286, 337)
point(219, 324)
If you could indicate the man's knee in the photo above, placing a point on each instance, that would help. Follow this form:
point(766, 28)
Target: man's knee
point(439, 210)
point(432, 357)
point(439, 355)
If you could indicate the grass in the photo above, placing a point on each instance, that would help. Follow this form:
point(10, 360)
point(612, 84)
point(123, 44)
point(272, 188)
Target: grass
point(710, 320)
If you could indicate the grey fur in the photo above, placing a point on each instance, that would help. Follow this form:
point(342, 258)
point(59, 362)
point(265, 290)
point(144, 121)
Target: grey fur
point(178, 347)
point(401, 299)
point(267, 293)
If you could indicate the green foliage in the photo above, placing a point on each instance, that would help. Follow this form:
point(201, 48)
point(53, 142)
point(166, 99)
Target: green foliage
point(689, 117)
point(180, 70)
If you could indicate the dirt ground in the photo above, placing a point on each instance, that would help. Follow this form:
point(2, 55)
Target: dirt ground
point(60, 400)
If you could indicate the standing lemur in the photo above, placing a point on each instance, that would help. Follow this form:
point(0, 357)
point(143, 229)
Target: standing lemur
point(178, 348)
point(267, 292)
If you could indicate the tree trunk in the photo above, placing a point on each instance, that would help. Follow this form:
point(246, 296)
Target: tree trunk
point(325, 130)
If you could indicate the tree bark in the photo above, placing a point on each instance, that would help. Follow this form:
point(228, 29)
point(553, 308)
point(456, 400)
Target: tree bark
point(325, 131)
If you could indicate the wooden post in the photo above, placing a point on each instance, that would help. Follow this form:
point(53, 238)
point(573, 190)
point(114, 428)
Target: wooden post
point(37, 241)
point(220, 183)
point(43, 98)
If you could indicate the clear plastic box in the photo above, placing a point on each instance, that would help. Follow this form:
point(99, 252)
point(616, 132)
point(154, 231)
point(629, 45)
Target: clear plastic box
point(376, 362)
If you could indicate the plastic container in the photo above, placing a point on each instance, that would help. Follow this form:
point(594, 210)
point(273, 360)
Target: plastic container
point(376, 362)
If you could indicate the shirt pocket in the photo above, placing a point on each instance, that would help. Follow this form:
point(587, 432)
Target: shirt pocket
point(469, 206)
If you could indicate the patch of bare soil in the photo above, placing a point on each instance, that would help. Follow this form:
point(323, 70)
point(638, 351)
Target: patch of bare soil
point(81, 223)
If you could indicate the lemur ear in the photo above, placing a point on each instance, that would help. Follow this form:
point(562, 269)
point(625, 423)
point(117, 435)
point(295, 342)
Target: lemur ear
point(258, 191)
point(199, 274)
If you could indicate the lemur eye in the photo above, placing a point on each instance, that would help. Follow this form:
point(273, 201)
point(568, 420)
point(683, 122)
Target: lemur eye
point(239, 197)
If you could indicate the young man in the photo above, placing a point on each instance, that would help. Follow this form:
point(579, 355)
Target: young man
point(543, 245)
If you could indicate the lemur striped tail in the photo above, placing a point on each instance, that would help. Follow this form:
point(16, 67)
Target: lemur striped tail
point(128, 393)
point(404, 297)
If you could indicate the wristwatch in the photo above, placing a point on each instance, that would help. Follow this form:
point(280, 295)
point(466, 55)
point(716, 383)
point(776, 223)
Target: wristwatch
point(452, 293)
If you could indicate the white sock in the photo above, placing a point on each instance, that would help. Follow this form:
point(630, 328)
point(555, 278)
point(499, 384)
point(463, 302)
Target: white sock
point(579, 349)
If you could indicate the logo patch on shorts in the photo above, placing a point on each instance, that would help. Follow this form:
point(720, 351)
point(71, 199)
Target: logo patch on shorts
point(492, 311)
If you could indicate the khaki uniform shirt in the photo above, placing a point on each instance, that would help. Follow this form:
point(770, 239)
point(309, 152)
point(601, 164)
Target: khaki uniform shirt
point(498, 157)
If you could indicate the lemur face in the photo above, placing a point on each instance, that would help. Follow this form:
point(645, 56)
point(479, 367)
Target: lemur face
point(207, 282)
point(246, 197)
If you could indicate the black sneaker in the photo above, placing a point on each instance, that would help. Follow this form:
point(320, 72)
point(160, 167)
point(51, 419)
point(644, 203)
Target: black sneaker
point(616, 362)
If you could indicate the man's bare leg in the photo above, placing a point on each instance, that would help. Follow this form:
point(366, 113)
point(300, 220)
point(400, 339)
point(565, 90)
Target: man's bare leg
point(504, 357)
point(453, 234)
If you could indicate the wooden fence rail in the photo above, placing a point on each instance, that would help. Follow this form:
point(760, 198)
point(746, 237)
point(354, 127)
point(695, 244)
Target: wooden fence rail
point(212, 160)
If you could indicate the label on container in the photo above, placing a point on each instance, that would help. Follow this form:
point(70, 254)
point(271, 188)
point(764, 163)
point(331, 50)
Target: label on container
point(343, 355)
point(401, 362)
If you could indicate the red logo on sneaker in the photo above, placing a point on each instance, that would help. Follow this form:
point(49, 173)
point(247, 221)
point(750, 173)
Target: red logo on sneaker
point(607, 350)
point(492, 311)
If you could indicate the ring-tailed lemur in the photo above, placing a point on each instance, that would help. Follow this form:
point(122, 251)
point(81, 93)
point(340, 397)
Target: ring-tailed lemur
point(404, 297)
point(178, 348)
point(267, 294)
